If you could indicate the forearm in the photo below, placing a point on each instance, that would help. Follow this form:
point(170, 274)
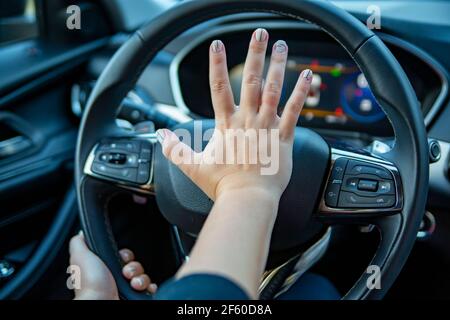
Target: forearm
point(234, 241)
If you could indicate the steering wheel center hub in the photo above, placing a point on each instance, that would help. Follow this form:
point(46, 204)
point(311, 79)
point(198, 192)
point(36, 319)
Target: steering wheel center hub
point(183, 203)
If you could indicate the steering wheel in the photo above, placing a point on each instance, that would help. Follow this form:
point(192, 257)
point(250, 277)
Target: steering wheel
point(330, 184)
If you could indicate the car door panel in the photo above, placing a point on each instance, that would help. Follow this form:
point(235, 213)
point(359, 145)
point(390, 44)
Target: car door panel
point(34, 179)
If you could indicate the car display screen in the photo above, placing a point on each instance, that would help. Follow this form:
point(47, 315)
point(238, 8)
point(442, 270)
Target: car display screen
point(340, 97)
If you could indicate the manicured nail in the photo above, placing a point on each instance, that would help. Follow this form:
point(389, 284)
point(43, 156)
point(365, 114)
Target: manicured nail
point(307, 74)
point(160, 135)
point(260, 35)
point(153, 287)
point(125, 256)
point(130, 271)
point(138, 281)
point(280, 46)
point(217, 46)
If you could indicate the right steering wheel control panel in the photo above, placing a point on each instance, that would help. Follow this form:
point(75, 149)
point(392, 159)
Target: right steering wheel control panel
point(359, 184)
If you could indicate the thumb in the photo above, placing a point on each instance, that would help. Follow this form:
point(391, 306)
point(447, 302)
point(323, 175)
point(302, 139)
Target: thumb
point(176, 151)
point(77, 244)
point(96, 281)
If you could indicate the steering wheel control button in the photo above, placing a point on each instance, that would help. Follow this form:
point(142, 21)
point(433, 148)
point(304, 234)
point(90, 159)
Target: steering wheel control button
point(125, 174)
point(386, 187)
point(143, 173)
point(367, 185)
point(359, 184)
point(351, 183)
point(335, 182)
point(332, 195)
point(146, 153)
point(132, 160)
point(351, 200)
point(338, 169)
point(120, 145)
point(359, 167)
point(117, 158)
point(124, 161)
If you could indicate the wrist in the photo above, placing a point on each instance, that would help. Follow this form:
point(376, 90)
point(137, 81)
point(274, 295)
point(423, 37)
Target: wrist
point(243, 187)
point(257, 192)
point(266, 198)
point(94, 295)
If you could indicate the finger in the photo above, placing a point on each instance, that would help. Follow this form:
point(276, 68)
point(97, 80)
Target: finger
point(219, 82)
point(274, 80)
point(77, 244)
point(132, 269)
point(152, 288)
point(177, 152)
point(294, 106)
point(127, 255)
point(253, 71)
point(263, 83)
point(140, 283)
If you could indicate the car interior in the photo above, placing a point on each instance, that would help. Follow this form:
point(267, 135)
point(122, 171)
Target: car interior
point(80, 101)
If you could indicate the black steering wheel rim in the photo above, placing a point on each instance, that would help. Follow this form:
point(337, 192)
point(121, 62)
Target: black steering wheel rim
point(387, 80)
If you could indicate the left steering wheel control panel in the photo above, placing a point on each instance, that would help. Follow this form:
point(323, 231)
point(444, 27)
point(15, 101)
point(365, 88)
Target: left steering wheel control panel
point(357, 185)
point(127, 162)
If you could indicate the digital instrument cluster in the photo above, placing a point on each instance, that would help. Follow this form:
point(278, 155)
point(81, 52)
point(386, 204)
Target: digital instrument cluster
point(340, 97)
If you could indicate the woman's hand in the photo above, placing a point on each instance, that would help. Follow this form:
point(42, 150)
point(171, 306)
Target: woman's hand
point(97, 282)
point(243, 135)
point(234, 241)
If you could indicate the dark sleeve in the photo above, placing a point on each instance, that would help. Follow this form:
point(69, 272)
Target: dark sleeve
point(201, 287)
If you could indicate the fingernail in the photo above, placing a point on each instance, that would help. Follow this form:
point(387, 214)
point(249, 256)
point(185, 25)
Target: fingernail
point(307, 74)
point(130, 271)
point(81, 233)
point(160, 135)
point(280, 46)
point(153, 287)
point(217, 46)
point(125, 256)
point(139, 281)
point(260, 35)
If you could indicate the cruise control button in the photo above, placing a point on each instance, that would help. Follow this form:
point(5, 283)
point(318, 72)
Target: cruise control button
point(351, 200)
